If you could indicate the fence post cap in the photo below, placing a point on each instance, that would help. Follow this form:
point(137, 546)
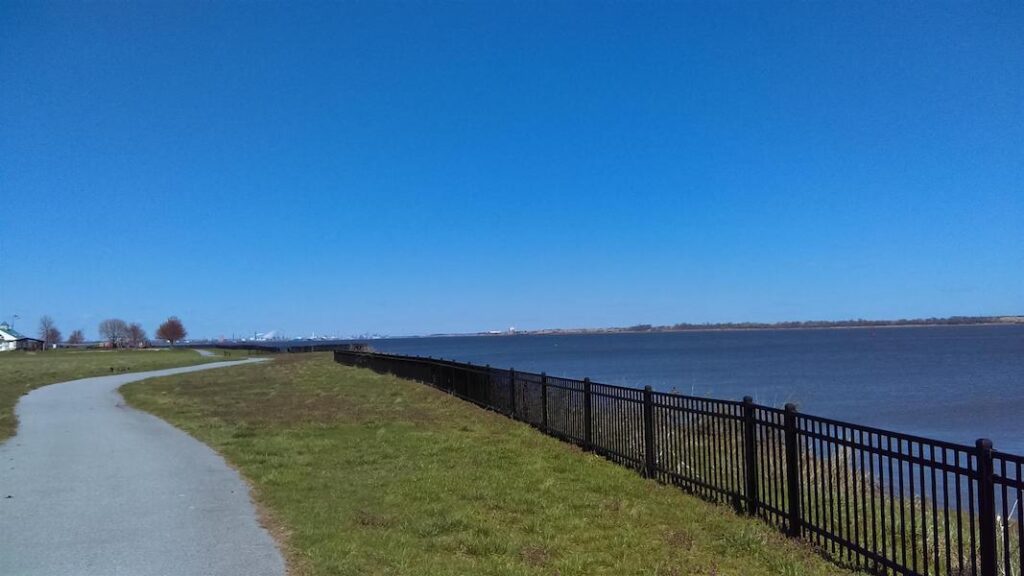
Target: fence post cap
point(648, 389)
point(790, 407)
point(748, 400)
point(983, 444)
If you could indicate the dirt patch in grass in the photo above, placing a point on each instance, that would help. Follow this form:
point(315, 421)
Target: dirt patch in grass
point(535, 555)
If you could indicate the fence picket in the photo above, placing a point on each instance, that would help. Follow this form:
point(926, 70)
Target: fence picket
point(750, 455)
point(650, 456)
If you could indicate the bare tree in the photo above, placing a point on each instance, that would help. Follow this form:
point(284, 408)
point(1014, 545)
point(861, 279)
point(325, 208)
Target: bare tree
point(45, 323)
point(76, 338)
point(136, 335)
point(53, 337)
point(172, 330)
point(115, 331)
point(48, 332)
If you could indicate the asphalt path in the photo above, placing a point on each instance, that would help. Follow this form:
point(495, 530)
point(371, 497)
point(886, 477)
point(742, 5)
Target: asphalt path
point(92, 487)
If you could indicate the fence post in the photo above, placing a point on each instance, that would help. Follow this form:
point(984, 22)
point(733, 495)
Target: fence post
point(488, 385)
point(512, 393)
point(792, 472)
point(986, 508)
point(650, 462)
point(587, 429)
point(544, 400)
point(750, 454)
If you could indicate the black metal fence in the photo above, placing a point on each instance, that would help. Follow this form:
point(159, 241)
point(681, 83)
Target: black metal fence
point(872, 499)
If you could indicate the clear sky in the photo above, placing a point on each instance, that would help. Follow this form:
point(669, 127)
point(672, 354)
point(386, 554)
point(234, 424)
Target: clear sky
point(409, 168)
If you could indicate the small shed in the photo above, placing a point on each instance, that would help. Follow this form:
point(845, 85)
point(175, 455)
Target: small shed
point(11, 339)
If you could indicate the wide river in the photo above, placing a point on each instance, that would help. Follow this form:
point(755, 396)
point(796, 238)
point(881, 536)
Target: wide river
point(952, 383)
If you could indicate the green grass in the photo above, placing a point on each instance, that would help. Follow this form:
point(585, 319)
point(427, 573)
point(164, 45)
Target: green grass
point(21, 372)
point(361, 473)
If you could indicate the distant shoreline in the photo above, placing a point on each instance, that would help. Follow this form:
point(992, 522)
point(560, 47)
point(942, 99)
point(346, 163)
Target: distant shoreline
point(994, 321)
point(738, 327)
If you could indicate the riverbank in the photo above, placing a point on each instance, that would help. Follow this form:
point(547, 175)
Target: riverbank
point(369, 474)
point(964, 380)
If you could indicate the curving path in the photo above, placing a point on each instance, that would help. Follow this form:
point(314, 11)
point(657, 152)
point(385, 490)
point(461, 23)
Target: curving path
point(92, 487)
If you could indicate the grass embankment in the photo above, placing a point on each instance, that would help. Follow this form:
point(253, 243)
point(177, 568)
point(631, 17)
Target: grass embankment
point(21, 372)
point(369, 474)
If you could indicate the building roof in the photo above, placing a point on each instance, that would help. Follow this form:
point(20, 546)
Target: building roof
point(8, 333)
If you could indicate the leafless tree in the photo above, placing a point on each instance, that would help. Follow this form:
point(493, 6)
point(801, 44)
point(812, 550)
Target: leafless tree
point(172, 330)
point(45, 323)
point(48, 332)
point(136, 335)
point(115, 331)
point(76, 338)
point(53, 337)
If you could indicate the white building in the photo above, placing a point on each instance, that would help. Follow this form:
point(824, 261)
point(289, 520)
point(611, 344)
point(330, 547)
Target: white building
point(10, 339)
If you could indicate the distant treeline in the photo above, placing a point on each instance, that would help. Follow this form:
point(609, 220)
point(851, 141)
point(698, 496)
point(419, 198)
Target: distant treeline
point(859, 323)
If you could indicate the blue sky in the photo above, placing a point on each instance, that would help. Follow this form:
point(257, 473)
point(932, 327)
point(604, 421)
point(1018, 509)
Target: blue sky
point(410, 168)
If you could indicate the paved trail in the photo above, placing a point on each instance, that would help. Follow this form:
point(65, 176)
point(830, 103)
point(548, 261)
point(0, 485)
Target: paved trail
point(91, 487)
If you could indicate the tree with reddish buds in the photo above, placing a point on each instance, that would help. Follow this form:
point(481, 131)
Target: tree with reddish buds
point(172, 330)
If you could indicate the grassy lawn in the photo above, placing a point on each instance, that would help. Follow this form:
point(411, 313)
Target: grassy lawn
point(21, 372)
point(368, 474)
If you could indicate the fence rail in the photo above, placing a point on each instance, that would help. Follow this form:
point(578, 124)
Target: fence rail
point(871, 499)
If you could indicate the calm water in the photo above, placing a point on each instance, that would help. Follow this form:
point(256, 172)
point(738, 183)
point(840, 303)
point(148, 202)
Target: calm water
point(951, 383)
